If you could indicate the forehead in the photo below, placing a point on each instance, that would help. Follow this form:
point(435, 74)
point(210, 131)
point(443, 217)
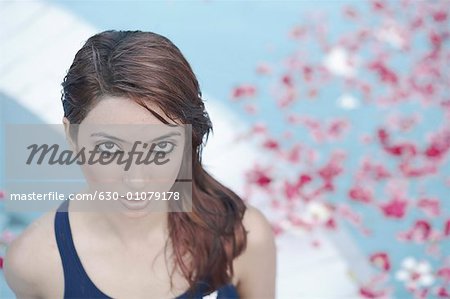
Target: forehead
point(123, 110)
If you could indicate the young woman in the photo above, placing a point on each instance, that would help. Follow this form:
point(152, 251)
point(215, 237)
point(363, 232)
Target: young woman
point(221, 248)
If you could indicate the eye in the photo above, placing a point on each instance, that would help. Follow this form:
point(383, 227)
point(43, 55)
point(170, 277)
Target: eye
point(165, 146)
point(109, 147)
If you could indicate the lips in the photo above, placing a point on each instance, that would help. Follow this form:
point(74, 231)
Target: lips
point(134, 203)
point(138, 199)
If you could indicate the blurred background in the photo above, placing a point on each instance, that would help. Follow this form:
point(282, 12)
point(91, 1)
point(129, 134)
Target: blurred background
point(332, 117)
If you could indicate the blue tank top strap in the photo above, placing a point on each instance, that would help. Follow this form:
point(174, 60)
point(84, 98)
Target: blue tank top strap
point(76, 281)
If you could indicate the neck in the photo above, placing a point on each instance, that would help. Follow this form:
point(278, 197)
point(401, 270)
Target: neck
point(132, 229)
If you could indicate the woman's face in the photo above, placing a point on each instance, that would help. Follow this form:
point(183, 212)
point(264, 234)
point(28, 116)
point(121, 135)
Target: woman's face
point(151, 153)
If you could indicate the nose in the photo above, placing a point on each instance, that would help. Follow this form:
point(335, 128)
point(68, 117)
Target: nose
point(135, 177)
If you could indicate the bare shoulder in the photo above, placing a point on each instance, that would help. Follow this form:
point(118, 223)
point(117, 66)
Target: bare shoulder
point(259, 230)
point(256, 266)
point(31, 257)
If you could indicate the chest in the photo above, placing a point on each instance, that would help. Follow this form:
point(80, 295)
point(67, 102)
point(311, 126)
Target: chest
point(143, 272)
point(133, 276)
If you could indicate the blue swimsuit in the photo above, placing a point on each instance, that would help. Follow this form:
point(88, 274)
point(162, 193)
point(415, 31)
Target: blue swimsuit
point(76, 281)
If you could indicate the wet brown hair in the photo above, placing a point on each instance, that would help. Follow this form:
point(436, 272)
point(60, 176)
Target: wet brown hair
point(149, 68)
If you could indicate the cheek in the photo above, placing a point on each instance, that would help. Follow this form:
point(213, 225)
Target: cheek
point(101, 176)
point(164, 176)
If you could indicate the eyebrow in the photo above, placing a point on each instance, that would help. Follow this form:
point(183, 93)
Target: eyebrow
point(104, 135)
